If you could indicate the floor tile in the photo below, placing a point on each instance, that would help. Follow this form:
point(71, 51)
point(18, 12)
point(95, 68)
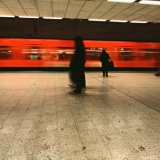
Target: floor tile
point(114, 118)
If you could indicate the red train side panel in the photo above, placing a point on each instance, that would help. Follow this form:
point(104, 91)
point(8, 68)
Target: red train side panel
point(57, 53)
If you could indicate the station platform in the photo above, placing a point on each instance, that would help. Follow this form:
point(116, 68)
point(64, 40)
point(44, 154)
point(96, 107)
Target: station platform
point(114, 118)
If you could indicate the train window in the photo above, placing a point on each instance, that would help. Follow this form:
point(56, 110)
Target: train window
point(34, 53)
point(156, 54)
point(137, 55)
point(5, 52)
point(113, 53)
point(93, 53)
point(151, 54)
point(148, 54)
point(66, 54)
point(126, 54)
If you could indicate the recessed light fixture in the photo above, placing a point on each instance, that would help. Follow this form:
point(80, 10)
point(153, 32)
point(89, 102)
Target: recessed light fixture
point(150, 2)
point(102, 20)
point(138, 22)
point(123, 21)
point(7, 16)
point(125, 1)
point(28, 17)
point(52, 18)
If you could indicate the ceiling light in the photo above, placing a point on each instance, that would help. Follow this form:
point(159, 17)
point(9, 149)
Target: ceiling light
point(52, 18)
point(28, 17)
point(125, 1)
point(138, 22)
point(150, 2)
point(102, 20)
point(123, 21)
point(7, 16)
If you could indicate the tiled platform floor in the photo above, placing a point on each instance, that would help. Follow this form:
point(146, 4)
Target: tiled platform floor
point(115, 118)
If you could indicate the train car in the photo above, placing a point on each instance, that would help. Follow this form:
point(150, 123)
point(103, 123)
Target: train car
point(57, 53)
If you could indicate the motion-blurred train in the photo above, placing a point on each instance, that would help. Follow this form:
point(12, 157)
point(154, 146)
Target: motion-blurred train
point(57, 53)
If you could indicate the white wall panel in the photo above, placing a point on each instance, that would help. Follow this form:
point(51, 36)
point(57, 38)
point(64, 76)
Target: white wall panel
point(96, 15)
point(43, 1)
point(154, 18)
point(71, 14)
point(12, 3)
point(45, 13)
point(147, 9)
point(96, 0)
point(59, 5)
point(84, 15)
point(158, 21)
point(75, 5)
point(120, 7)
point(134, 8)
point(18, 12)
point(81, 9)
point(5, 11)
point(2, 5)
point(105, 6)
point(32, 12)
point(44, 5)
point(90, 6)
point(61, 0)
point(58, 13)
point(30, 4)
point(155, 12)
point(144, 17)
point(109, 15)
point(121, 16)
point(133, 17)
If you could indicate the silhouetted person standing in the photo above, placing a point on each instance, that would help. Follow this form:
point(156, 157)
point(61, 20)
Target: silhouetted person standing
point(105, 58)
point(77, 65)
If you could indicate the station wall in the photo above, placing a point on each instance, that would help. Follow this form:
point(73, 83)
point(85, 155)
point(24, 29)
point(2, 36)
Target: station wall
point(68, 29)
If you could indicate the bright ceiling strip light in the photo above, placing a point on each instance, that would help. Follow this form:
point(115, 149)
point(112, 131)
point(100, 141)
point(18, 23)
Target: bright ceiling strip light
point(150, 2)
point(28, 17)
point(102, 20)
point(125, 1)
point(123, 21)
point(52, 18)
point(138, 22)
point(7, 16)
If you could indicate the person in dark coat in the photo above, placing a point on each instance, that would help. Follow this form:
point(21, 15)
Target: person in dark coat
point(77, 65)
point(105, 58)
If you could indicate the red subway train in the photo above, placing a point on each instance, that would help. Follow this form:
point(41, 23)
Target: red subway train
point(57, 53)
